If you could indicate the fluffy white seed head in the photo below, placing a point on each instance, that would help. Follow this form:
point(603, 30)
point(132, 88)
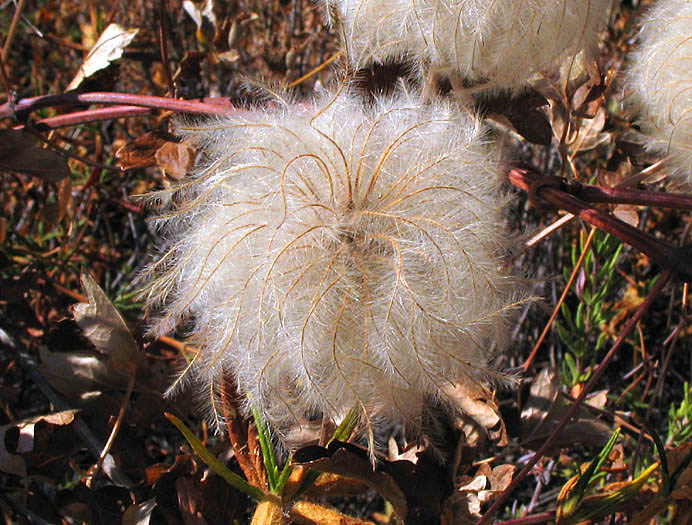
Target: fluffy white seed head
point(331, 257)
point(660, 79)
point(487, 44)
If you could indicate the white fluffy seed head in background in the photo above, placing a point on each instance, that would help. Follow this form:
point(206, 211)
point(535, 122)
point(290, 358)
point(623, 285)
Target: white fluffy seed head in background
point(331, 257)
point(488, 44)
point(660, 79)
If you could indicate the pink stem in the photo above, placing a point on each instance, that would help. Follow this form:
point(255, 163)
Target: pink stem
point(206, 107)
point(90, 115)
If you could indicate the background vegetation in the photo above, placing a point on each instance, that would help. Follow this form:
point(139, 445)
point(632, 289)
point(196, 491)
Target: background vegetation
point(62, 394)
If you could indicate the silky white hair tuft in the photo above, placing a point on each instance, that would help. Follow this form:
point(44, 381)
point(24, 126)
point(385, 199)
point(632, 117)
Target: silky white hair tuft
point(481, 44)
point(329, 257)
point(660, 79)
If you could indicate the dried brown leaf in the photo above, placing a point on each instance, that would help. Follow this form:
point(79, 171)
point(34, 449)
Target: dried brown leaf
point(524, 115)
point(188, 502)
point(501, 477)
point(332, 485)
point(77, 512)
point(416, 492)
point(77, 375)
point(10, 463)
point(464, 506)
point(483, 413)
point(141, 152)
point(308, 513)
point(105, 328)
point(346, 460)
point(36, 442)
point(108, 47)
point(19, 152)
point(544, 409)
point(175, 159)
point(139, 514)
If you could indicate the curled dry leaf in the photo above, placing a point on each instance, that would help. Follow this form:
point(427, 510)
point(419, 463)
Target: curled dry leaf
point(269, 512)
point(680, 495)
point(623, 178)
point(108, 47)
point(139, 514)
point(140, 152)
point(77, 375)
point(305, 512)
point(524, 115)
point(333, 485)
point(29, 443)
point(105, 328)
point(9, 462)
point(189, 502)
point(464, 506)
point(545, 408)
point(175, 159)
point(348, 460)
point(482, 413)
point(20, 152)
point(416, 492)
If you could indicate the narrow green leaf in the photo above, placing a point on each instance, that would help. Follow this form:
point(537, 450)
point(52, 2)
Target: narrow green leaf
point(233, 479)
point(347, 426)
point(285, 474)
point(579, 317)
point(586, 479)
point(663, 458)
point(268, 457)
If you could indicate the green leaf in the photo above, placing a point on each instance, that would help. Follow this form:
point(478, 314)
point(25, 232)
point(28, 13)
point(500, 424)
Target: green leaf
point(586, 479)
point(233, 479)
point(268, 456)
point(563, 334)
point(580, 317)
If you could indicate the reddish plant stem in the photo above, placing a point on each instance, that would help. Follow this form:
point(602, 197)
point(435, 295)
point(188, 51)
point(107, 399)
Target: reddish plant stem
point(13, 29)
point(678, 201)
point(677, 260)
point(6, 84)
point(89, 115)
point(164, 48)
point(575, 272)
point(595, 377)
point(206, 107)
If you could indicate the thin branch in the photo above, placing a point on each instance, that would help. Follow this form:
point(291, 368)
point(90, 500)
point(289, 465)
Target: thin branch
point(209, 106)
point(659, 199)
point(88, 116)
point(529, 361)
point(555, 191)
point(164, 48)
point(6, 85)
point(13, 29)
point(114, 431)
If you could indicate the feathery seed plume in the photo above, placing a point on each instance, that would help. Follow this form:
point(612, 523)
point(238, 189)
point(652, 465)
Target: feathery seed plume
point(661, 82)
point(330, 257)
point(478, 44)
